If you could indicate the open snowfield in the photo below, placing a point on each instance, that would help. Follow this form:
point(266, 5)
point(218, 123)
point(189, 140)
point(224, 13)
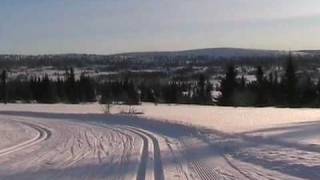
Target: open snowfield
point(39, 141)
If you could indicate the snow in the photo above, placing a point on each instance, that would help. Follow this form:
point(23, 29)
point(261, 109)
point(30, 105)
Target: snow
point(59, 141)
point(226, 119)
point(230, 119)
point(8, 132)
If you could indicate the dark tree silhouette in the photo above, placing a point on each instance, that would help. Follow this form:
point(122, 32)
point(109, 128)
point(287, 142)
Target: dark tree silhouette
point(4, 86)
point(290, 82)
point(86, 89)
point(72, 91)
point(261, 92)
point(202, 94)
point(308, 92)
point(228, 86)
point(259, 75)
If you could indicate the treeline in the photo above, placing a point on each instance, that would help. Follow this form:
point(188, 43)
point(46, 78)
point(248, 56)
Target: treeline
point(283, 87)
point(69, 89)
point(272, 89)
point(120, 62)
point(45, 90)
point(132, 91)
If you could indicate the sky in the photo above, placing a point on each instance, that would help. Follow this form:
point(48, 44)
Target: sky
point(113, 26)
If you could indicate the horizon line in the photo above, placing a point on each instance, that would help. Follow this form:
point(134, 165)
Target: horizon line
point(151, 51)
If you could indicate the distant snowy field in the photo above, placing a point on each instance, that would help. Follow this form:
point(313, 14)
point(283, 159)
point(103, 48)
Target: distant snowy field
point(269, 121)
point(185, 142)
point(226, 119)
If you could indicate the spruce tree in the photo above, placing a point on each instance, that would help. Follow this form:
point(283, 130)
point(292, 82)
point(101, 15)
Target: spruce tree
point(259, 75)
point(60, 89)
point(260, 88)
point(86, 89)
point(72, 91)
point(308, 92)
point(4, 86)
point(290, 82)
point(202, 91)
point(227, 87)
point(48, 93)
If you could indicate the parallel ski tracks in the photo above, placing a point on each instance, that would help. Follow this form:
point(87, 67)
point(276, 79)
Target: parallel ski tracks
point(150, 161)
point(157, 163)
point(42, 134)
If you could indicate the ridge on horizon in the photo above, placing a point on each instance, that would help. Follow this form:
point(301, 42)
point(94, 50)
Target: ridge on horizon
point(165, 51)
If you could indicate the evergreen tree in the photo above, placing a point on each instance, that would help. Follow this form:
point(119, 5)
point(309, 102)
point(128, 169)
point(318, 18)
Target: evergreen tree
point(133, 94)
point(60, 87)
point(290, 82)
point(106, 94)
point(259, 75)
point(4, 86)
point(203, 90)
point(318, 92)
point(48, 94)
point(308, 92)
point(243, 82)
point(171, 93)
point(86, 89)
point(71, 89)
point(261, 98)
point(228, 86)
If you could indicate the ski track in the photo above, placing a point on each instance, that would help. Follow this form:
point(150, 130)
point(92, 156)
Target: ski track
point(96, 149)
point(204, 172)
point(42, 134)
point(141, 174)
point(157, 164)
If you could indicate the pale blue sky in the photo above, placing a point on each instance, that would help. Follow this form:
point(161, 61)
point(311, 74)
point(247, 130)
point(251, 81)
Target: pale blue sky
point(112, 26)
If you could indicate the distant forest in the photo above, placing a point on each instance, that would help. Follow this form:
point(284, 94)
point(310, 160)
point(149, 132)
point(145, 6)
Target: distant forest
point(117, 62)
point(272, 90)
point(268, 89)
point(68, 89)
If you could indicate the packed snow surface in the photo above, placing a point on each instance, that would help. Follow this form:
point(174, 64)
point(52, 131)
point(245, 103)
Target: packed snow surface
point(40, 141)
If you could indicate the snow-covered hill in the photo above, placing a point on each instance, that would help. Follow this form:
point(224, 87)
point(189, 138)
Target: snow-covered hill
point(215, 52)
point(209, 52)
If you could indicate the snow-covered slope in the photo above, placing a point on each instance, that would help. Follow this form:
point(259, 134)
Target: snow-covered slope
point(166, 142)
point(225, 119)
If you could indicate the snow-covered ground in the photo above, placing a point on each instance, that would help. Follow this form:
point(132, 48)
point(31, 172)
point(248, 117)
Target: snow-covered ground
point(39, 141)
point(225, 119)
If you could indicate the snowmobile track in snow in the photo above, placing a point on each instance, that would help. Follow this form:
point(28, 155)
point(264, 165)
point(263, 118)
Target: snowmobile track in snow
point(42, 134)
